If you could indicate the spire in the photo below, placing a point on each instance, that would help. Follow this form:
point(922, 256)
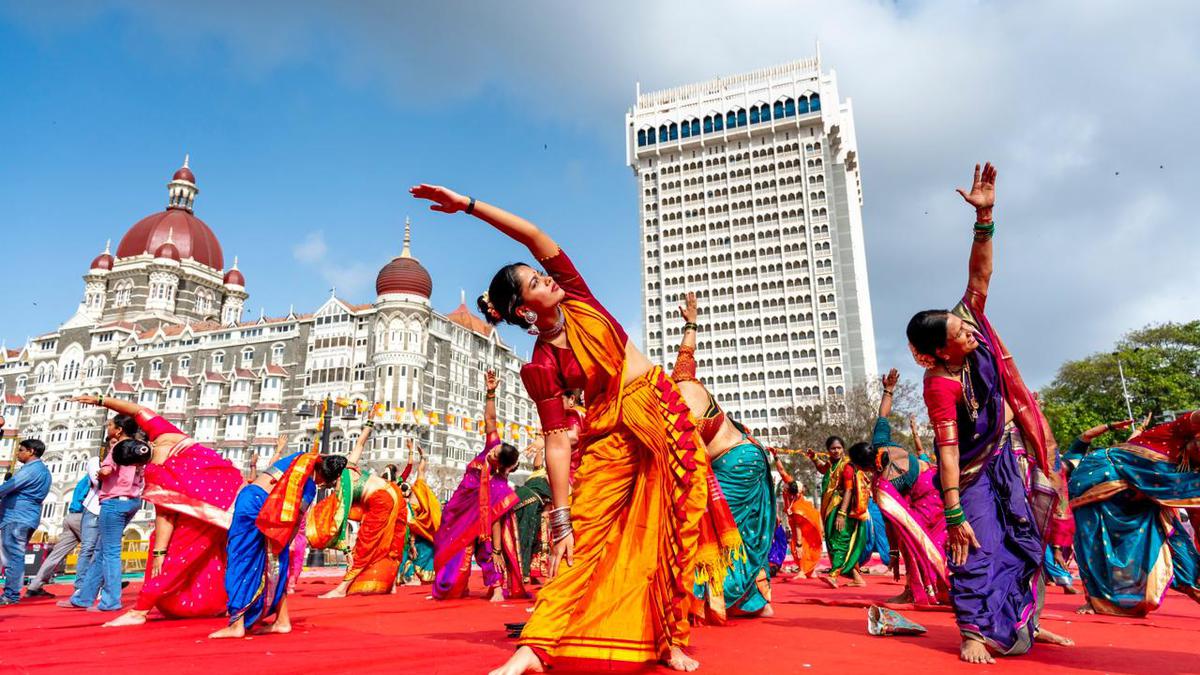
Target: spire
point(108, 246)
point(462, 296)
point(406, 252)
point(186, 157)
point(234, 262)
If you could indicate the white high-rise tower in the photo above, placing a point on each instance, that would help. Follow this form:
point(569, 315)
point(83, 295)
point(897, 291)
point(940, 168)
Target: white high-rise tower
point(749, 195)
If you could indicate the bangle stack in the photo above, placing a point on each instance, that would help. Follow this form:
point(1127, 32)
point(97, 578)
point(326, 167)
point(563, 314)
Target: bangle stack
point(560, 523)
point(470, 206)
point(159, 552)
point(691, 326)
point(955, 515)
point(889, 392)
point(984, 231)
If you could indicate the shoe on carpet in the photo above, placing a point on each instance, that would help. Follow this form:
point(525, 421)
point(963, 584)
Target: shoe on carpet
point(68, 604)
point(38, 593)
point(5, 602)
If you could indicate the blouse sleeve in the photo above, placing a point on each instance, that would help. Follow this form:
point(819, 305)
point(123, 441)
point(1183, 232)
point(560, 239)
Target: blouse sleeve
point(882, 436)
point(154, 425)
point(563, 270)
point(544, 387)
point(941, 400)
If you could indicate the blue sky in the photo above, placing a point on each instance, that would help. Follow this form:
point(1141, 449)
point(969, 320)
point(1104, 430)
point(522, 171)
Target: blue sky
point(306, 123)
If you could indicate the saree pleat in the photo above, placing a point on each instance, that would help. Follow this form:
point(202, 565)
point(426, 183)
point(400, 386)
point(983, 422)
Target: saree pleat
point(845, 544)
point(639, 496)
point(1129, 541)
point(744, 474)
point(921, 536)
point(804, 520)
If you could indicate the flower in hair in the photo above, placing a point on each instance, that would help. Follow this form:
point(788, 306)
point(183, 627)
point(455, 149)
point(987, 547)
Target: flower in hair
point(924, 360)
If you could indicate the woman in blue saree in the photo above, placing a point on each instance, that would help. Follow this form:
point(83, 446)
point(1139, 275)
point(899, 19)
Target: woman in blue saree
point(1129, 538)
point(993, 444)
point(266, 517)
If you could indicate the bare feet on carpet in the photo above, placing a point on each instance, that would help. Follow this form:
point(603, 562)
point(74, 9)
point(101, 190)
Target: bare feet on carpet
point(280, 627)
point(831, 580)
point(974, 651)
point(524, 660)
point(1086, 609)
point(682, 662)
point(905, 597)
point(767, 612)
point(497, 595)
point(413, 582)
point(231, 631)
point(131, 618)
point(1046, 636)
point(335, 592)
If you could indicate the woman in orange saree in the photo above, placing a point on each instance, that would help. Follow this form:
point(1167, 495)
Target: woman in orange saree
point(424, 519)
point(627, 536)
point(804, 521)
point(380, 509)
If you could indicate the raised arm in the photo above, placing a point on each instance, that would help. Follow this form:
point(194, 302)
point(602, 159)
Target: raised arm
point(889, 391)
point(983, 197)
point(689, 313)
point(912, 427)
point(515, 227)
point(161, 432)
point(489, 404)
point(361, 443)
point(280, 447)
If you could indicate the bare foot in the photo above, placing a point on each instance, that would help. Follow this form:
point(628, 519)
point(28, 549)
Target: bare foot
point(680, 661)
point(767, 611)
point(1086, 609)
point(413, 582)
point(974, 651)
point(337, 592)
point(1071, 590)
point(524, 660)
point(235, 630)
point(280, 627)
point(130, 618)
point(497, 595)
point(905, 596)
point(831, 580)
point(1046, 636)
point(857, 580)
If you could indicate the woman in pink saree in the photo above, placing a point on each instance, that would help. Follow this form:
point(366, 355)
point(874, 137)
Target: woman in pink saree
point(192, 489)
point(905, 489)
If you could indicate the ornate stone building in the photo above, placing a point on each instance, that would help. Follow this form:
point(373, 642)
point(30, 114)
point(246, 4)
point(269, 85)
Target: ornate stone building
point(161, 324)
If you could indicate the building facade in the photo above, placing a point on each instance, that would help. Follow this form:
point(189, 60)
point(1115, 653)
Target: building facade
point(749, 195)
point(161, 324)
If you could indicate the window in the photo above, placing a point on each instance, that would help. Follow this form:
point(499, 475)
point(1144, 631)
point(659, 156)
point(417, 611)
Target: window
point(156, 369)
point(247, 357)
point(123, 294)
point(641, 136)
point(185, 363)
point(708, 124)
point(277, 354)
point(778, 109)
point(129, 368)
point(218, 359)
point(695, 127)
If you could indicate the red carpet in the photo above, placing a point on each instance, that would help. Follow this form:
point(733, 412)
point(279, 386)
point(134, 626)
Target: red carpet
point(815, 628)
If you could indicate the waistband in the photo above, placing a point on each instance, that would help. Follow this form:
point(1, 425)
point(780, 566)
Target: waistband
point(119, 499)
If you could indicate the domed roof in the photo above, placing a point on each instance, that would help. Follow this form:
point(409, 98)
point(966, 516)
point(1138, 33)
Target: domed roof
point(184, 173)
point(103, 261)
point(191, 237)
point(167, 250)
point(404, 274)
point(234, 276)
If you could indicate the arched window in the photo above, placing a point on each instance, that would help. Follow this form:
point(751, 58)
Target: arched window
point(718, 122)
point(247, 357)
point(814, 105)
point(696, 127)
point(708, 124)
point(673, 132)
point(754, 115)
point(641, 137)
point(778, 109)
point(123, 294)
point(741, 117)
point(789, 108)
point(802, 104)
point(730, 119)
point(662, 134)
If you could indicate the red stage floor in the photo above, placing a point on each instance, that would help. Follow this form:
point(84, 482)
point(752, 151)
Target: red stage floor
point(815, 628)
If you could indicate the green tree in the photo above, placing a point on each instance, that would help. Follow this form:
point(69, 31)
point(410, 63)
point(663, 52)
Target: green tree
point(1162, 372)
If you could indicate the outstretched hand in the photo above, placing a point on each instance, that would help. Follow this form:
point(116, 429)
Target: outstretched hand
point(890, 380)
point(688, 310)
point(444, 199)
point(492, 380)
point(983, 188)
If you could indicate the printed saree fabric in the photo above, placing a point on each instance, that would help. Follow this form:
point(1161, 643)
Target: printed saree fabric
point(196, 487)
point(379, 546)
point(1129, 541)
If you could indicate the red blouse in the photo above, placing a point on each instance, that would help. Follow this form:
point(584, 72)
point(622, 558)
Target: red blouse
point(552, 370)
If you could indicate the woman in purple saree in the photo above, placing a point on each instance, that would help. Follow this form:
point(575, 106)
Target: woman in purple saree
point(479, 521)
point(993, 444)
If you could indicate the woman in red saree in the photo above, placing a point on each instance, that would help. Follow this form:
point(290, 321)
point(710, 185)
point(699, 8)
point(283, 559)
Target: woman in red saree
point(804, 521)
point(628, 533)
point(192, 489)
point(382, 513)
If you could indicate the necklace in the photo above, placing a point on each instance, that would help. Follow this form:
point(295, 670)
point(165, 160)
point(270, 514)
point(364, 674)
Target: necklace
point(968, 387)
point(553, 331)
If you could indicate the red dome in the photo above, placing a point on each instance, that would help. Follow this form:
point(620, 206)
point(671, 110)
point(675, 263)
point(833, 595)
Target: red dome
point(191, 237)
point(104, 261)
point(167, 250)
point(184, 173)
point(234, 278)
point(404, 275)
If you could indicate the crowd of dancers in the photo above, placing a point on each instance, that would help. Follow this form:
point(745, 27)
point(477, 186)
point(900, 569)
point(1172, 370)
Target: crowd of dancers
point(643, 488)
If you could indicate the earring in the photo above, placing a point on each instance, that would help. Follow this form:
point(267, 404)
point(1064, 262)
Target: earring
point(529, 316)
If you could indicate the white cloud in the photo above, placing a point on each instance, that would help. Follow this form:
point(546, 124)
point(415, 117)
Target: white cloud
point(349, 278)
point(311, 249)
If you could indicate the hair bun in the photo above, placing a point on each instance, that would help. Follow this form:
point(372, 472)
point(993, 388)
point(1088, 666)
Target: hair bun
point(488, 310)
point(131, 452)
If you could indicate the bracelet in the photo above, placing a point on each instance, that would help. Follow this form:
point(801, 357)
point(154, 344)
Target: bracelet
point(988, 227)
point(950, 489)
point(955, 515)
point(490, 395)
point(100, 399)
point(158, 552)
point(470, 206)
point(560, 523)
point(692, 326)
point(369, 423)
point(889, 392)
